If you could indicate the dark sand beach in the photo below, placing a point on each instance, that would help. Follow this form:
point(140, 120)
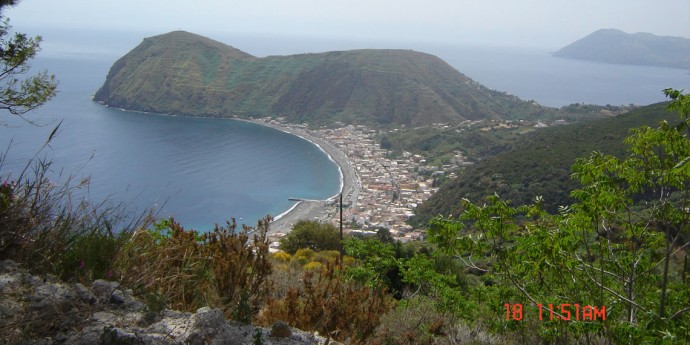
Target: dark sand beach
point(323, 210)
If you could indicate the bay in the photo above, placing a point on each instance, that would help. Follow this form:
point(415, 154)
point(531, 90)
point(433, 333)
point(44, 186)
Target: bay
point(204, 171)
point(201, 171)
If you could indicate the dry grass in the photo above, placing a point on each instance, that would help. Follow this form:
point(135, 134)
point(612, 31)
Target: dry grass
point(330, 304)
point(416, 321)
point(225, 268)
point(49, 228)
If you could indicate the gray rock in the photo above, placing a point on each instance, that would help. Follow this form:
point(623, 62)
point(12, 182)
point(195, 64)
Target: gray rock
point(85, 294)
point(208, 318)
point(117, 297)
point(54, 296)
point(280, 330)
point(46, 311)
point(116, 336)
point(103, 289)
point(206, 323)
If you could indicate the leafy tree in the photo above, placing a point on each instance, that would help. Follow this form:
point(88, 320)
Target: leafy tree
point(20, 93)
point(384, 235)
point(376, 261)
point(423, 274)
point(617, 247)
point(311, 234)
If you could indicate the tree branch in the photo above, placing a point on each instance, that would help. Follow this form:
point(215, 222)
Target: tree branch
point(613, 292)
point(679, 313)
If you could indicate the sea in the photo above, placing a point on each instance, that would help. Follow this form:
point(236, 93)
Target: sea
point(205, 171)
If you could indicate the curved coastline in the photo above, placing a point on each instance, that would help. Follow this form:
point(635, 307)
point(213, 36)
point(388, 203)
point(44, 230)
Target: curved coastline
point(276, 218)
point(320, 146)
point(322, 210)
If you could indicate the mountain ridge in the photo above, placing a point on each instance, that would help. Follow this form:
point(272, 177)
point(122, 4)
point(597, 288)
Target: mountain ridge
point(617, 47)
point(187, 74)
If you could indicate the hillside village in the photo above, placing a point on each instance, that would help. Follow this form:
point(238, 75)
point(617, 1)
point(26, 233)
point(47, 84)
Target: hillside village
point(389, 189)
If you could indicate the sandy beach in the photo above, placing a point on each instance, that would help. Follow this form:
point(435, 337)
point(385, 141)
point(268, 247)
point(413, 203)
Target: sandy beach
point(323, 210)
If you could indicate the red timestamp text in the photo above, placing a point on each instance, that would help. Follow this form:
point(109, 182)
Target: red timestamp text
point(564, 312)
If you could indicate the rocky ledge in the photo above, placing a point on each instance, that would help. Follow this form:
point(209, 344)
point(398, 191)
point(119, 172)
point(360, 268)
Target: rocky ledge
point(44, 310)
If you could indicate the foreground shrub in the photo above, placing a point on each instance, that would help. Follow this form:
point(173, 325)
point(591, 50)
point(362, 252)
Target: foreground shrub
point(47, 227)
point(311, 234)
point(417, 321)
point(225, 268)
point(330, 304)
point(619, 249)
point(288, 270)
point(240, 266)
point(282, 257)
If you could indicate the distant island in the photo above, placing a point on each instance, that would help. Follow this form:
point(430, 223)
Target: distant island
point(617, 47)
point(187, 74)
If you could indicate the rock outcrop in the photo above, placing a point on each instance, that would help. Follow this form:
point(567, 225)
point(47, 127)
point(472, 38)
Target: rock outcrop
point(44, 310)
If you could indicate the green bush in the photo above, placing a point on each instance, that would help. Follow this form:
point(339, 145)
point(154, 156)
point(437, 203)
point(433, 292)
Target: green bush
point(310, 234)
point(618, 249)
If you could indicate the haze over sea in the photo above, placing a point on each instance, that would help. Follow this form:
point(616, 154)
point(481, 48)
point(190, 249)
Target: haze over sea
point(204, 171)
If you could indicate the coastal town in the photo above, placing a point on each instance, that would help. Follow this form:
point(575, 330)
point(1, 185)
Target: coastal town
point(382, 191)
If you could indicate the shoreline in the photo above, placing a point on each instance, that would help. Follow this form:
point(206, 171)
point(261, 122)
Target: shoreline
point(321, 210)
point(311, 139)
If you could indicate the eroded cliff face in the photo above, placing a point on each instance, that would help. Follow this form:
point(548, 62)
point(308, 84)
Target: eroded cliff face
point(44, 310)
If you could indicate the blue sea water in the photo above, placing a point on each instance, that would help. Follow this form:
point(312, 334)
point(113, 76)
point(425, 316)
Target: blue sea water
point(204, 171)
point(533, 74)
point(201, 171)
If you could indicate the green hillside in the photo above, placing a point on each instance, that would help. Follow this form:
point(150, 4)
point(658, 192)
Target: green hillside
point(186, 74)
point(477, 140)
point(538, 163)
point(614, 46)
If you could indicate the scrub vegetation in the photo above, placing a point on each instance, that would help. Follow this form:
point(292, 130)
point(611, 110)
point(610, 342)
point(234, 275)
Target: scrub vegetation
point(520, 166)
point(607, 267)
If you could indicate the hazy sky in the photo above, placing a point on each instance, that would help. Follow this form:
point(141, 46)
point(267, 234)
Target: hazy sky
point(545, 23)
